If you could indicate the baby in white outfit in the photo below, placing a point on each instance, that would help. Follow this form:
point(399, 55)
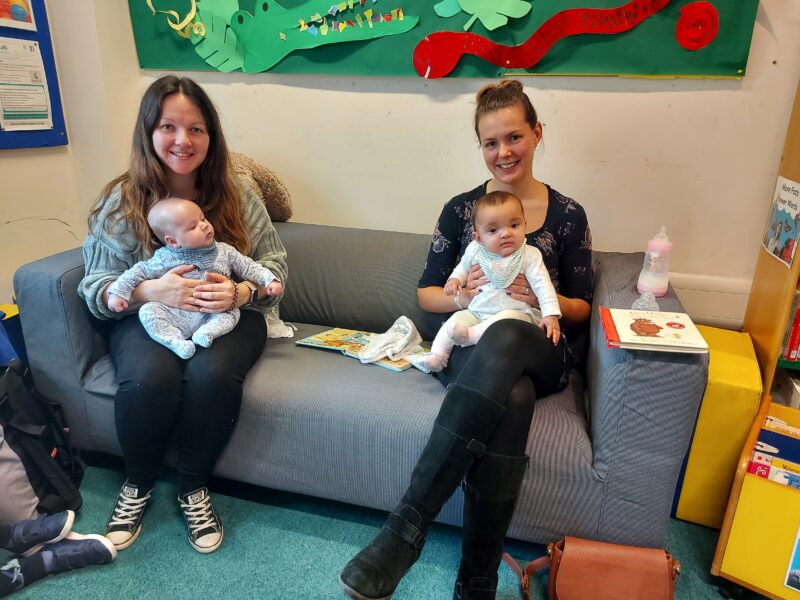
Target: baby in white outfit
point(500, 249)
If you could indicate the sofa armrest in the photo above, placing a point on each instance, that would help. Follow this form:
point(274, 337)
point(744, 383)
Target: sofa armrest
point(62, 339)
point(643, 405)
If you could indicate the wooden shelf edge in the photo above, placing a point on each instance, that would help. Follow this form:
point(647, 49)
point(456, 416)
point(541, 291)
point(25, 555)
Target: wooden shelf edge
point(738, 481)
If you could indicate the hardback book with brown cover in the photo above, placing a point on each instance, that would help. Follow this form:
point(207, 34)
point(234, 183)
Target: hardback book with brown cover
point(649, 330)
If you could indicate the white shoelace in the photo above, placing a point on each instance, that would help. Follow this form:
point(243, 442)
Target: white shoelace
point(128, 510)
point(199, 516)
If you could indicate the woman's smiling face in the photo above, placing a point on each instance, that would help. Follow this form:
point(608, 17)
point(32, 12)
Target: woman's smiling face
point(508, 143)
point(180, 137)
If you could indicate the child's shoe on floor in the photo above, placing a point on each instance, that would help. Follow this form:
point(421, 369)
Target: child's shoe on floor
point(77, 551)
point(28, 537)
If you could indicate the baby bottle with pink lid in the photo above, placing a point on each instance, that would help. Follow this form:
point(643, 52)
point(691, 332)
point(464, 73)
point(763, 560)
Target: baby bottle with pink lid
point(654, 277)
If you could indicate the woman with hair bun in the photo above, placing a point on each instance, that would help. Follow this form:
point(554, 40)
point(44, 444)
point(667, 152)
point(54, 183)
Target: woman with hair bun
point(481, 432)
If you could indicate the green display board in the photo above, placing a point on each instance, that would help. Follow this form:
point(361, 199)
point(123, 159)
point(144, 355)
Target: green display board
point(644, 38)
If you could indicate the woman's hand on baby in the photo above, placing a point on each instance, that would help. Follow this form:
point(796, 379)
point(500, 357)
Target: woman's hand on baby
point(475, 279)
point(117, 303)
point(214, 294)
point(552, 327)
point(274, 288)
point(452, 287)
point(172, 289)
point(520, 289)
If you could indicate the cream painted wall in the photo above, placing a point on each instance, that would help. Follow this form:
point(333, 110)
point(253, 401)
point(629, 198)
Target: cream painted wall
point(699, 156)
point(46, 193)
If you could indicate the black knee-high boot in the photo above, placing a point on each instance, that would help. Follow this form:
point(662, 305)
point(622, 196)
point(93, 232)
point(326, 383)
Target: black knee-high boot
point(491, 489)
point(464, 423)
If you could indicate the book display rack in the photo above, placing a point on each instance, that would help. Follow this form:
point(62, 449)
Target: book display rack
point(758, 545)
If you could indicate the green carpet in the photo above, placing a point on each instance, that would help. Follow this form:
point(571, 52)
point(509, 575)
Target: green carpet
point(287, 547)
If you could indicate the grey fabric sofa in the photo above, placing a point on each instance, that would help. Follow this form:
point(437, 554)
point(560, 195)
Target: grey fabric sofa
point(604, 456)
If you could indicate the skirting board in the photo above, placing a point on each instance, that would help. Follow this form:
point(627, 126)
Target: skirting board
point(711, 300)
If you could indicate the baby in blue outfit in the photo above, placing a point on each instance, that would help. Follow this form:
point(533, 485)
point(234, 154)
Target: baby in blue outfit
point(188, 240)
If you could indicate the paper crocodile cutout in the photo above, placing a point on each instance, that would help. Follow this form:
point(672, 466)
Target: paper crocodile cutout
point(274, 31)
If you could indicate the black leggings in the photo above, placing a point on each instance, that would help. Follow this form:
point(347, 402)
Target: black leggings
point(198, 399)
point(513, 363)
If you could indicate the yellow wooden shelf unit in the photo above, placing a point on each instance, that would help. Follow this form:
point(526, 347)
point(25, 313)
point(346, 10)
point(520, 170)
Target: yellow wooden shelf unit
point(762, 517)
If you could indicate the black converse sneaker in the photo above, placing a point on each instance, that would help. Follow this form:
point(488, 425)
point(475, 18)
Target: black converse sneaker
point(205, 528)
point(125, 522)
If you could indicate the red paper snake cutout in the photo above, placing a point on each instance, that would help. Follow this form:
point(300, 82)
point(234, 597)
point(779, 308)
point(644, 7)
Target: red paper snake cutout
point(697, 26)
point(438, 53)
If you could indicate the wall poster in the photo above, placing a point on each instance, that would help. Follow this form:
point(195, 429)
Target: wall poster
point(17, 14)
point(447, 38)
point(783, 226)
point(31, 115)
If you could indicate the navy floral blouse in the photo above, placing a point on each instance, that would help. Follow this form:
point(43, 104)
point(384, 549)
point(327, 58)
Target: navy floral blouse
point(564, 239)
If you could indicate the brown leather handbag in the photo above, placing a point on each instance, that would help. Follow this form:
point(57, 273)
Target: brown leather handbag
point(584, 569)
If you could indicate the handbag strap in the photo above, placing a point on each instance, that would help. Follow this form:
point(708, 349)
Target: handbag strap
point(533, 567)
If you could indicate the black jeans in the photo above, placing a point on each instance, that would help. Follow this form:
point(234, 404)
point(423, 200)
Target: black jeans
point(514, 364)
point(197, 399)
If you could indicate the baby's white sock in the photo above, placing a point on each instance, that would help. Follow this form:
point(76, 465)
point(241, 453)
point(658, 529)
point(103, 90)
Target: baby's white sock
point(428, 362)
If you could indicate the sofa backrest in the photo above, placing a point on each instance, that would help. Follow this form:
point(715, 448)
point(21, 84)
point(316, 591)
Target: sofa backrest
point(366, 279)
point(354, 278)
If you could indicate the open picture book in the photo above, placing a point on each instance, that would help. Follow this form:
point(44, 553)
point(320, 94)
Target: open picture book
point(349, 342)
point(648, 330)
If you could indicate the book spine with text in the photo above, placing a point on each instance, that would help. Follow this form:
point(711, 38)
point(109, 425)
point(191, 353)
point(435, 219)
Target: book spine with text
point(792, 336)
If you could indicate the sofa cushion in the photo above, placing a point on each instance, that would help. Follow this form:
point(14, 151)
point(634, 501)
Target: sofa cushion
point(354, 278)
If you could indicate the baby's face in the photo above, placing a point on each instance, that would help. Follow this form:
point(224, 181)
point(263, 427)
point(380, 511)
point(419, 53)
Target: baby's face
point(191, 228)
point(501, 229)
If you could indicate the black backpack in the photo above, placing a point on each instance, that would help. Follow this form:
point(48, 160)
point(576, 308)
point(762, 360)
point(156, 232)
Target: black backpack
point(37, 432)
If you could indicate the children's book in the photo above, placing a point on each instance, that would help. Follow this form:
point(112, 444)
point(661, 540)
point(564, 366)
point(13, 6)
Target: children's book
point(779, 446)
point(649, 330)
point(775, 469)
point(350, 342)
point(792, 580)
point(782, 427)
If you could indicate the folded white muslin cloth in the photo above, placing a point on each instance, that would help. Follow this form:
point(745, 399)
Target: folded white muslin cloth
point(277, 328)
point(401, 339)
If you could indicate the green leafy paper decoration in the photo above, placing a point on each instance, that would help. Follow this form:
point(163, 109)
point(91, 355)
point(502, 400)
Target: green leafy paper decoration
point(219, 46)
point(218, 8)
point(447, 8)
point(492, 13)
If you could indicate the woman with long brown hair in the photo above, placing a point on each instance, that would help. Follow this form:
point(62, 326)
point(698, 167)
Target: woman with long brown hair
point(178, 150)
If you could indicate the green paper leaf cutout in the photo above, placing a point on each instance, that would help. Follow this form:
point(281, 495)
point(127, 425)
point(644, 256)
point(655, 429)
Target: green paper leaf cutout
point(219, 46)
point(218, 8)
point(447, 8)
point(493, 13)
